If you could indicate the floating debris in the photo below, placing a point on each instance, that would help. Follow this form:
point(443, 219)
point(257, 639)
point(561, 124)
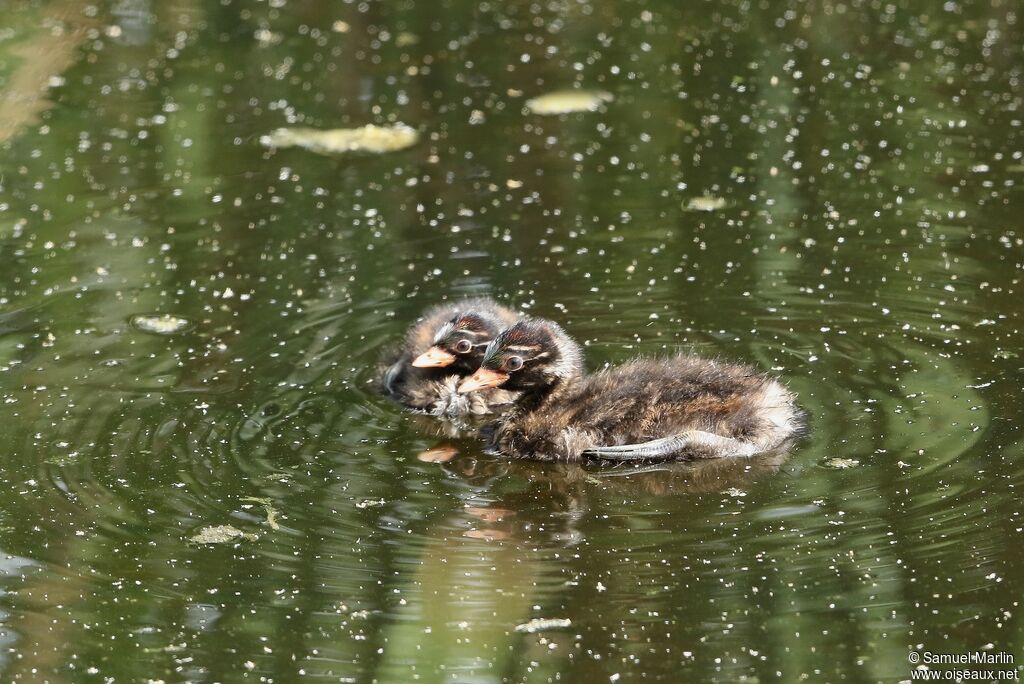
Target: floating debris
point(222, 534)
point(371, 503)
point(733, 491)
point(543, 624)
point(706, 203)
point(373, 139)
point(568, 101)
point(268, 507)
point(405, 38)
point(842, 463)
point(160, 324)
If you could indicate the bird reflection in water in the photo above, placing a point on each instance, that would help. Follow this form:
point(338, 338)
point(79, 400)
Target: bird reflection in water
point(546, 503)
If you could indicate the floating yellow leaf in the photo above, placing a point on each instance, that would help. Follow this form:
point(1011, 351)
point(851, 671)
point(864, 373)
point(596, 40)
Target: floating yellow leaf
point(543, 624)
point(707, 203)
point(405, 38)
point(568, 101)
point(161, 324)
point(375, 139)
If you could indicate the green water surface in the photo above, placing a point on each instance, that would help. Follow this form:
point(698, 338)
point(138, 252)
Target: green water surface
point(831, 190)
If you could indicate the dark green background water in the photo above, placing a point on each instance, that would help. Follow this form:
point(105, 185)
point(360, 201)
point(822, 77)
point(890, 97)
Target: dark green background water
point(871, 251)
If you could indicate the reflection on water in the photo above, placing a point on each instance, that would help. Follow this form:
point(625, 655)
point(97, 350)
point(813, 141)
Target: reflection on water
point(828, 190)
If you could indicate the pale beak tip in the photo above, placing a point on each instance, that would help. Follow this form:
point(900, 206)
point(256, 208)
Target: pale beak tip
point(482, 379)
point(435, 357)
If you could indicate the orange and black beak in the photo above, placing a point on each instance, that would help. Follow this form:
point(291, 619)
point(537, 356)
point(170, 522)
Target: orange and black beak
point(435, 357)
point(482, 379)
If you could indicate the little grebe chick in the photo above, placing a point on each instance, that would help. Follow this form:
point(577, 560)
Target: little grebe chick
point(445, 345)
point(679, 408)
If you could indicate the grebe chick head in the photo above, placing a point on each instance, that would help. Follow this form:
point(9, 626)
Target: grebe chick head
point(460, 342)
point(533, 354)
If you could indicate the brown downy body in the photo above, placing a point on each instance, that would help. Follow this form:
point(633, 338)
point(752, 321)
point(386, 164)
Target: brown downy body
point(438, 341)
point(561, 413)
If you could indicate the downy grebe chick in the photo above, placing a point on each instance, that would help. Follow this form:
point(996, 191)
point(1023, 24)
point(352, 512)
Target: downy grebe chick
point(446, 344)
point(678, 408)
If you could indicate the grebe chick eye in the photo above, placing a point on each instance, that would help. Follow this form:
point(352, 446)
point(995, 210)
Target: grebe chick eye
point(513, 363)
point(463, 346)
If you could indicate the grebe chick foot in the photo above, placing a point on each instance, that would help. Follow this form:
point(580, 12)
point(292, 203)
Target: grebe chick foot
point(693, 442)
